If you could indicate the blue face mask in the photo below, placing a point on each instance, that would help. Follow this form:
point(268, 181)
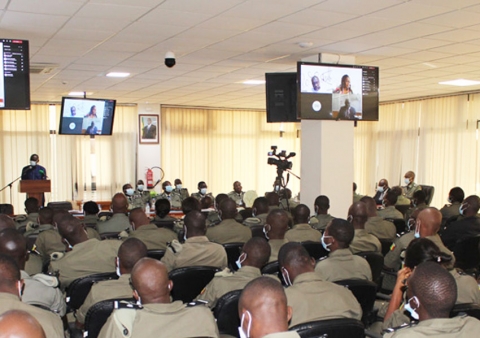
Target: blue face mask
point(411, 310)
point(203, 191)
point(325, 245)
point(130, 191)
point(240, 260)
point(179, 186)
point(462, 208)
point(169, 188)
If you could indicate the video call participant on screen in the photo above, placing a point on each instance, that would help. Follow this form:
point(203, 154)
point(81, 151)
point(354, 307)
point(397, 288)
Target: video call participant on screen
point(92, 129)
point(347, 112)
point(315, 83)
point(345, 86)
point(73, 111)
point(92, 113)
point(34, 171)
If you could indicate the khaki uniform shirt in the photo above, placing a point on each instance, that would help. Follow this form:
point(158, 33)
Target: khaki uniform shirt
point(342, 264)
point(390, 212)
point(363, 241)
point(357, 197)
point(146, 196)
point(174, 199)
point(410, 189)
point(34, 264)
point(381, 228)
point(24, 220)
point(196, 251)
point(275, 245)
point(311, 299)
point(237, 197)
point(229, 231)
point(104, 290)
point(450, 210)
point(51, 323)
point(199, 196)
point(182, 192)
point(90, 220)
point(257, 220)
point(161, 320)
point(303, 233)
point(39, 229)
point(402, 200)
point(322, 221)
point(153, 237)
point(287, 334)
point(117, 223)
point(393, 258)
point(467, 288)
point(457, 327)
point(220, 284)
point(87, 258)
point(38, 292)
point(291, 204)
point(135, 201)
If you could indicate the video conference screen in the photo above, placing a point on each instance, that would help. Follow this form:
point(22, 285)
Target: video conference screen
point(337, 92)
point(14, 75)
point(81, 116)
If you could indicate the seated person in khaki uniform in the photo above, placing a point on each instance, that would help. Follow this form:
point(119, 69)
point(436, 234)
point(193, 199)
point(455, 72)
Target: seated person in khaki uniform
point(410, 186)
point(431, 295)
point(322, 217)
point(376, 225)
point(259, 212)
point(11, 287)
point(135, 199)
point(90, 210)
point(273, 201)
point(40, 289)
point(119, 221)
point(169, 194)
point(151, 235)
point(341, 263)
point(158, 316)
point(202, 191)
point(129, 253)
point(401, 199)
point(197, 249)
point(390, 211)
point(455, 199)
point(356, 197)
point(180, 189)
point(146, 196)
point(162, 209)
point(302, 231)
point(310, 297)
point(31, 208)
point(237, 194)
point(20, 324)
point(85, 256)
point(275, 229)
point(263, 310)
point(254, 256)
point(229, 230)
point(362, 241)
point(212, 205)
point(418, 202)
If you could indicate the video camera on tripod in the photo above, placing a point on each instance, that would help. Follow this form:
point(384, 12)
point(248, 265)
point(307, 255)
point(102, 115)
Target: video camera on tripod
point(282, 163)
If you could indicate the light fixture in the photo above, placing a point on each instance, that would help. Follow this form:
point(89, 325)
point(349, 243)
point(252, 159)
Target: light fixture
point(79, 93)
point(460, 83)
point(117, 74)
point(254, 82)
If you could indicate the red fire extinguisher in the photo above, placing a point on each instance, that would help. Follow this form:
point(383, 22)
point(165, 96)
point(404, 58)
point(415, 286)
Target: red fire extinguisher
point(149, 176)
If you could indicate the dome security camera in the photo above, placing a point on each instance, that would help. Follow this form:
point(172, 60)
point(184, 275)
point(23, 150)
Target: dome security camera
point(170, 59)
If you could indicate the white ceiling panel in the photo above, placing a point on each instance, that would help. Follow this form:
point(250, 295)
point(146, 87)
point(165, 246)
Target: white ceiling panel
point(52, 7)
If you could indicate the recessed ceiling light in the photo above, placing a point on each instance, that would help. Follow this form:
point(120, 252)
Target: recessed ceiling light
point(118, 74)
point(254, 82)
point(79, 93)
point(460, 82)
point(305, 44)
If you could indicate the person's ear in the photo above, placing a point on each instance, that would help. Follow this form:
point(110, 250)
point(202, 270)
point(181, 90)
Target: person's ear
point(289, 313)
point(135, 295)
point(170, 285)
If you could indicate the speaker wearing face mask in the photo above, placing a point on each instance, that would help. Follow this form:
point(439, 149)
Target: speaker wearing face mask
point(410, 186)
point(382, 189)
point(202, 191)
point(135, 199)
point(171, 195)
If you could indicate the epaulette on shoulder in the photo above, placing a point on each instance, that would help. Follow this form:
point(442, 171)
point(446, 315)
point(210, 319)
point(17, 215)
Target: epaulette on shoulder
point(126, 305)
point(197, 303)
point(403, 326)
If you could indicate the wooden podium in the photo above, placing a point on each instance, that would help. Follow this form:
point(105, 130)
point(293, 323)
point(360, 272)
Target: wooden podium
point(35, 188)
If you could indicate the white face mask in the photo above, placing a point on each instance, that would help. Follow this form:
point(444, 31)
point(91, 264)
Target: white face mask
point(417, 230)
point(179, 186)
point(462, 209)
point(407, 181)
point(33, 163)
point(140, 187)
point(185, 233)
point(169, 188)
point(380, 189)
point(130, 191)
point(240, 260)
point(286, 277)
point(265, 232)
point(409, 308)
point(410, 223)
point(118, 267)
point(203, 191)
point(325, 245)
point(240, 328)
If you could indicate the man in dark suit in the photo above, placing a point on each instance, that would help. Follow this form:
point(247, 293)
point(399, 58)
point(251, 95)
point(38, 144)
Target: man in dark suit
point(382, 189)
point(347, 112)
point(150, 130)
point(34, 171)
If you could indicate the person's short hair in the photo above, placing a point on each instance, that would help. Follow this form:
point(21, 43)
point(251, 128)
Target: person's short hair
point(323, 202)
point(190, 204)
point(124, 187)
point(131, 251)
point(31, 204)
point(206, 202)
point(162, 207)
point(273, 199)
point(342, 231)
point(397, 190)
point(258, 251)
point(391, 197)
point(6, 222)
point(420, 196)
point(293, 253)
point(220, 198)
point(262, 285)
point(91, 208)
point(457, 194)
point(435, 288)
point(46, 215)
point(9, 271)
point(201, 183)
point(261, 204)
point(424, 250)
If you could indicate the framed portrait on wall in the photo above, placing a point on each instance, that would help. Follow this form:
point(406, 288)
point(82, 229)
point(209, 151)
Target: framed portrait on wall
point(148, 129)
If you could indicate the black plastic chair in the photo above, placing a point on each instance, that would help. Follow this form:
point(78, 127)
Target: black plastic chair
point(331, 328)
point(226, 313)
point(375, 260)
point(467, 254)
point(257, 231)
point(65, 205)
point(109, 235)
point(471, 309)
point(315, 249)
point(98, 314)
point(273, 268)
point(233, 252)
point(429, 191)
point(6, 209)
point(164, 223)
point(78, 290)
point(189, 281)
point(365, 292)
point(400, 225)
point(386, 244)
point(156, 254)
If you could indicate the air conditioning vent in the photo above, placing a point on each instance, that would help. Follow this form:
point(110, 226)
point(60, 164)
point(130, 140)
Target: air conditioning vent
point(42, 68)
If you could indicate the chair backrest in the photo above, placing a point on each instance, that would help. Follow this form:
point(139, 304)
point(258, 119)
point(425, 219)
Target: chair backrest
point(402, 208)
point(273, 268)
point(467, 255)
point(331, 328)
point(375, 260)
point(315, 249)
point(97, 316)
point(257, 231)
point(109, 235)
point(60, 205)
point(400, 225)
point(386, 244)
point(429, 191)
point(471, 309)
point(6, 209)
point(78, 290)
point(164, 223)
point(189, 281)
point(233, 252)
point(156, 254)
point(365, 292)
point(246, 213)
point(226, 313)
point(106, 214)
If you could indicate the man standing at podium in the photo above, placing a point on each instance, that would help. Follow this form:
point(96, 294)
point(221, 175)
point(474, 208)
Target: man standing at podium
point(34, 171)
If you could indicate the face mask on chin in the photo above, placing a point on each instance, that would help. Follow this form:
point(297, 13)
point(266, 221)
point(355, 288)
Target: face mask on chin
point(325, 245)
point(242, 333)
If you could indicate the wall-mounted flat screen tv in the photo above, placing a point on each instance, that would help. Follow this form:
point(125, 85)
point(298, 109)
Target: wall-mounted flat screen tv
point(81, 116)
point(14, 75)
point(337, 92)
